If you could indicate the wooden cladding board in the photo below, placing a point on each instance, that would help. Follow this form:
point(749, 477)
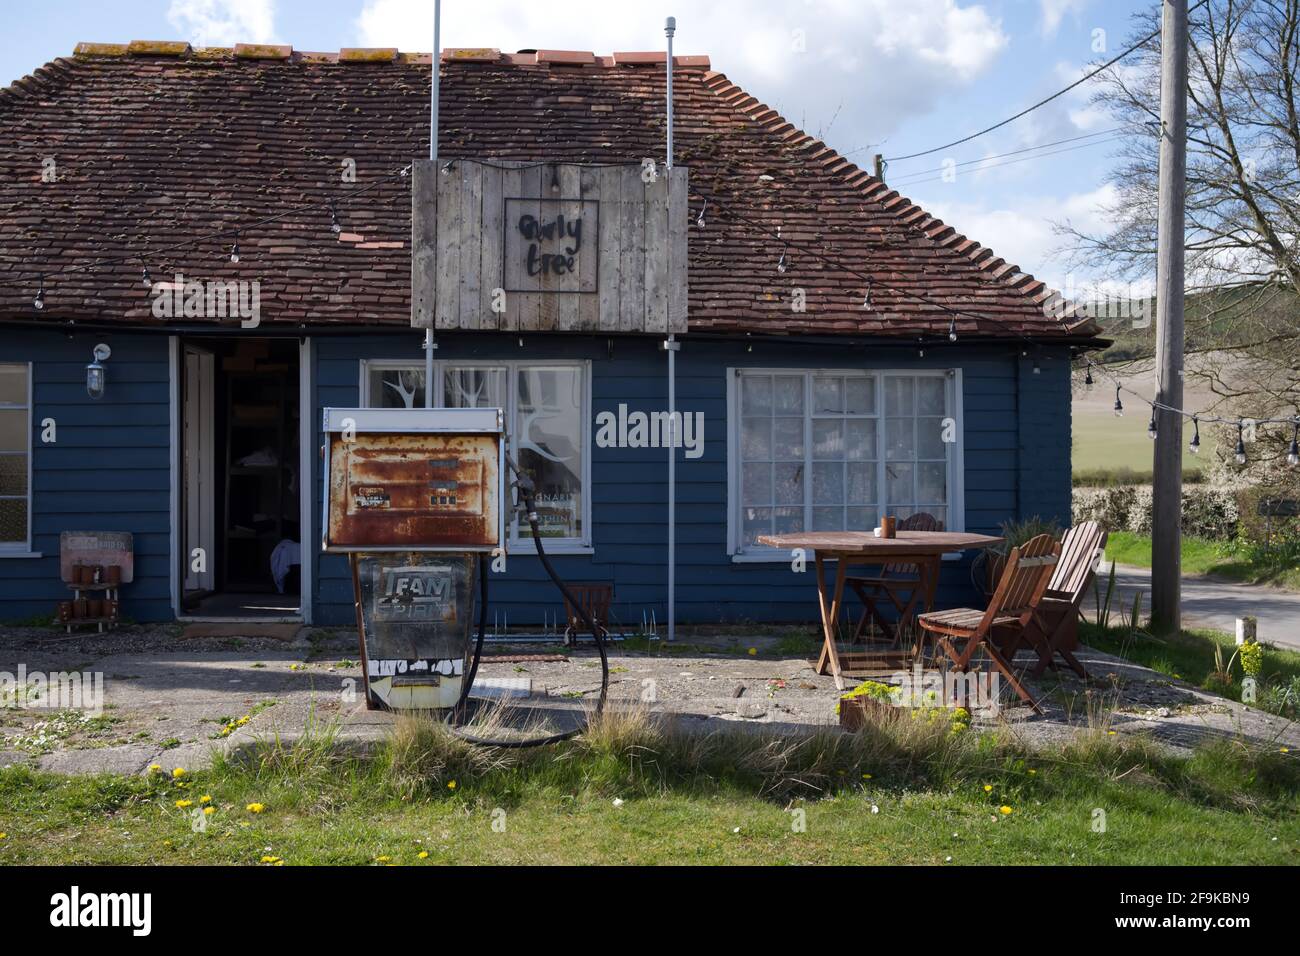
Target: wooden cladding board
point(563, 247)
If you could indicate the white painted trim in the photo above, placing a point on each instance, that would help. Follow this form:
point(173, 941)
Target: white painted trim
point(174, 468)
point(306, 476)
point(956, 506)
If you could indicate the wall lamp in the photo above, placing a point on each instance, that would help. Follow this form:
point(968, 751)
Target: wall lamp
point(95, 372)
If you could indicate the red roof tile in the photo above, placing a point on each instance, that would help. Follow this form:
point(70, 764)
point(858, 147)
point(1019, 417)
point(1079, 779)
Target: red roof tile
point(158, 143)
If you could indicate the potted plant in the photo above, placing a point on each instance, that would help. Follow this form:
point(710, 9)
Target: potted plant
point(1014, 534)
point(868, 697)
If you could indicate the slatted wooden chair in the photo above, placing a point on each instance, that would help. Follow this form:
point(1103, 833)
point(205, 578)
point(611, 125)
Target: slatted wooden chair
point(1013, 605)
point(1055, 629)
point(895, 580)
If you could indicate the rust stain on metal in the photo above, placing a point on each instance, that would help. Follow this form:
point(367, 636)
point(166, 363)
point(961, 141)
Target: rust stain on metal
point(414, 491)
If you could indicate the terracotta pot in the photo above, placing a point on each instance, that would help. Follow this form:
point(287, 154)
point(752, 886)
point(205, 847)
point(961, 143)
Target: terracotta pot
point(113, 574)
point(85, 574)
point(94, 607)
point(856, 712)
point(65, 611)
point(80, 608)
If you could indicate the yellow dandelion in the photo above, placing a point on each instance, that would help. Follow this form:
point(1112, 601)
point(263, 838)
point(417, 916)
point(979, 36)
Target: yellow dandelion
point(1004, 810)
point(255, 807)
point(1285, 750)
point(4, 836)
point(451, 784)
point(1032, 772)
point(988, 788)
point(382, 859)
point(155, 768)
point(205, 799)
point(1110, 733)
point(208, 811)
point(423, 854)
point(753, 652)
point(178, 773)
point(270, 859)
point(866, 776)
point(184, 803)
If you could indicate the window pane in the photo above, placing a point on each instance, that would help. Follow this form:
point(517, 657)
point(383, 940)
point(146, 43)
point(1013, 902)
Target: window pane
point(930, 396)
point(788, 483)
point(788, 395)
point(787, 439)
point(548, 435)
point(860, 439)
point(756, 484)
point(828, 483)
point(397, 388)
point(787, 520)
point(13, 429)
point(828, 438)
point(898, 395)
point(13, 519)
point(756, 394)
point(861, 484)
point(756, 521)
point(898, 483)
point(828, 395)
point(13, 384)
point(756, 439)
point(932, 482)
point(899, 440)
point(860, 519)
point(828, 519)
point(474, 388)
point(860, 395)
point(929, 439)
point(13, 474)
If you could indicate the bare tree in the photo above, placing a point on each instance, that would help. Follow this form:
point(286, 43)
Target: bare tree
point(1243, 197)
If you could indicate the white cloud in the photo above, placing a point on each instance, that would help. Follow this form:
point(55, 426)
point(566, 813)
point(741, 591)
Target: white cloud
point(874, 62)
point(1022, 233)
point(1054, 11)
point(223, 22)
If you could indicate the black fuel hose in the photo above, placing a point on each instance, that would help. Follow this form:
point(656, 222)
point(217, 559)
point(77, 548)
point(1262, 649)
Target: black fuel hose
point(525, 486)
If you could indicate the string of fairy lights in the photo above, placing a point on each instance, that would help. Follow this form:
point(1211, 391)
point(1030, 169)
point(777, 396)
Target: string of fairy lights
point(1197, 418)
point(783, 263)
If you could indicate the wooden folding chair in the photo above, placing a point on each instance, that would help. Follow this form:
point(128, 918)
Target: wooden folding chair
point(1055, 629)
point(894, 580)
point(1014, 604)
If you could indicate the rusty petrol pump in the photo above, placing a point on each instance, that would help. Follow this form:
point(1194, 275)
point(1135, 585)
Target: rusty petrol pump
point(416, 499)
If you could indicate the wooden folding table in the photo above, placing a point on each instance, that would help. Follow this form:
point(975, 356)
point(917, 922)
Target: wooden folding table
point(925, 549)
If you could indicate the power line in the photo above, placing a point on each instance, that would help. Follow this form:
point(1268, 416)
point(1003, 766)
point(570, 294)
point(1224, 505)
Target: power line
point(1014, 152)
point(1043, 102)
point(911, 180)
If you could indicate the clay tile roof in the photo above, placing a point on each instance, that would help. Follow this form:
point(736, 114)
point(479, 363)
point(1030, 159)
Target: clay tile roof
point(155, 142)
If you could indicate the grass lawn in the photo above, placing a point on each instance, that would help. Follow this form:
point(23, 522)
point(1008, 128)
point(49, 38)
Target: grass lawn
point(1190, 656)
point(1204, 557)
point(635, 791)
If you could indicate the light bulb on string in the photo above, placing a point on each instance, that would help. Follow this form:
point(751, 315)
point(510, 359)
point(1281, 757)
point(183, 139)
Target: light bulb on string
point(38, 303)
point(1087, 376)
point(1293, 453)
point(144, 276)
point(699, 220)
point(1195, 446)
point(334, 218)
point(1119, 406)
point(234, 250)
point(1151, 426)
point(866, 298)
point(952, 329)
point(1241, 445)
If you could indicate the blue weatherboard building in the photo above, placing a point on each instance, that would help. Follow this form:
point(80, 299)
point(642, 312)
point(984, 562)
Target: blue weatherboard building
point(843, 355)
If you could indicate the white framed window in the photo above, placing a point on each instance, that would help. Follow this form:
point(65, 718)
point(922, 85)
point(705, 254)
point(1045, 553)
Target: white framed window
point(547, 406)
point(15, 458)
point(835, 449)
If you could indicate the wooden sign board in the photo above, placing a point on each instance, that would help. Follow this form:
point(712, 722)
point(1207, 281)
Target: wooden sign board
point(552, 247)
point(96, 547)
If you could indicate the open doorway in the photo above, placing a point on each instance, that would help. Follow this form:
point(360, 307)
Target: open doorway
point(240, 479)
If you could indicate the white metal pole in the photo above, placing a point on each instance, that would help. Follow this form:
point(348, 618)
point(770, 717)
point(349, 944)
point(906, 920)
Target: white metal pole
point(670, 27)
point(435, 65)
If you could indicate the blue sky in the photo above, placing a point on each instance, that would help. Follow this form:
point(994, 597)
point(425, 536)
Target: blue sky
point(891, 76)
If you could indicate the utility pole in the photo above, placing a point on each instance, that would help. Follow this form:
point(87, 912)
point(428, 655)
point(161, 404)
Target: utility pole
point(1167, 490)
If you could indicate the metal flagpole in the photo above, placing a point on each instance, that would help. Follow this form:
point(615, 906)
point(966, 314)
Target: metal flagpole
point(671, 346)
